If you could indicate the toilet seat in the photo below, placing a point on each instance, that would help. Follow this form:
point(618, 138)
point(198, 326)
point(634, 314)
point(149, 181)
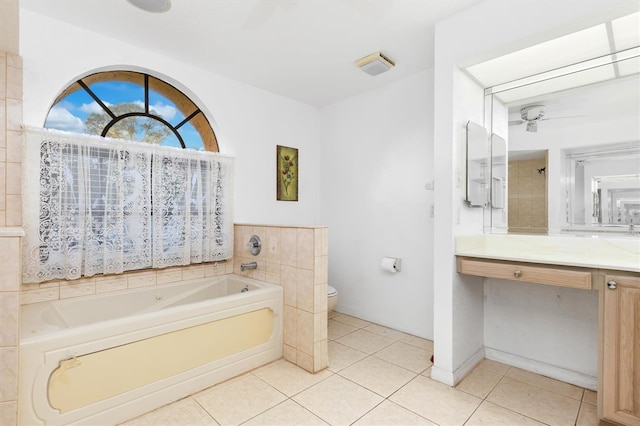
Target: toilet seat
point(331, 291)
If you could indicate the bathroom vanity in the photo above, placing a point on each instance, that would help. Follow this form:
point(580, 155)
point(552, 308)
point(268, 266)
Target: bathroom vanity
point(611, 266)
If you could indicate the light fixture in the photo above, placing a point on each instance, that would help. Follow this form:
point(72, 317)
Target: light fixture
point(154, 6)
point(375, 64)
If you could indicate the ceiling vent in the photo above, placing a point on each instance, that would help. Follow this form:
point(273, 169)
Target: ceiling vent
point(375, 64)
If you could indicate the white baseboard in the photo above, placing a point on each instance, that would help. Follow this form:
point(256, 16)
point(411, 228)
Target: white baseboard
point(452, 378)
point(558, 373)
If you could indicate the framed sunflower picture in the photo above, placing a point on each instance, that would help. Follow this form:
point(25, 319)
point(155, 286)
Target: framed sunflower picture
point(286, 173)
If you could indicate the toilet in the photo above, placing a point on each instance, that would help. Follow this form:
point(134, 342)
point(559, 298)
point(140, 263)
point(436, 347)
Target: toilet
point(332, 298)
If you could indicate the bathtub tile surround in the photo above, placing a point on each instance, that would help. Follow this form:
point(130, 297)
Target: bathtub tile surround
point(363, 389)
point(62, 289)
point(295, 258)
point(10, 231)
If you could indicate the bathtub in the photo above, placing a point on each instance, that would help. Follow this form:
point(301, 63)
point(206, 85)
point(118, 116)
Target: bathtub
point(107, 358)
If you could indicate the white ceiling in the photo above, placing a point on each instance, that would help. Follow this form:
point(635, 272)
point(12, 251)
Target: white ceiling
point(300, 49)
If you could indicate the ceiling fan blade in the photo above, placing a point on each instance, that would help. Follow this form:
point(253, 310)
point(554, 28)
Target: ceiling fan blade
point(557, 118)
point(516, 122)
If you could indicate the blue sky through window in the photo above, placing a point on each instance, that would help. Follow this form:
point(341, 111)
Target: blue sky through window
point(70, 114)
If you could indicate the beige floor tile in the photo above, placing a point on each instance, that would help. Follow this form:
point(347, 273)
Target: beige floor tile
point(333, 314)
point(436, 401)
point(388, 413)
point(238, 400)
point(338, 401)
point(588, 415)
point(352, 321)
point(418, 341)
point(378, 375)
point(493, 415)
point(484, 377)
point(288, 413)
point(590, 397)
point(426, 373)
point(365, 341)
point(336, 330)
point(535, 402)
point(385, 331)
point(407, 356)
point(547, 383)
point(288, 378)
point(341, 356)
point(183, 412)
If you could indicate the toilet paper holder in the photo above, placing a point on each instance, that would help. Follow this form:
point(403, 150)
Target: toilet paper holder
point(390, 264)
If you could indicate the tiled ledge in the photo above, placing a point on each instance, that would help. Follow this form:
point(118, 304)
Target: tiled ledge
point(11, 231)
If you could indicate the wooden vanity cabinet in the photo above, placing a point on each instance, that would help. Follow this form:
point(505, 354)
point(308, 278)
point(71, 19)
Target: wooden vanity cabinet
point(619, 313)
point(619, 385)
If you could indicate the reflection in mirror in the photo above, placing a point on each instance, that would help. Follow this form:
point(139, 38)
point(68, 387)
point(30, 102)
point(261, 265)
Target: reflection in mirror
point(498, 172)
point(498, 187)
point(477, 165)
point(587, 96)
point(528, 203)
point(586, 123)
point(577, 120)
point(603, 187)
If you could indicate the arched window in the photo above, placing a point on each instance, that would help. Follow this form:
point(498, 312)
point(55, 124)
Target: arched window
point(110, 204)
point(134, 106)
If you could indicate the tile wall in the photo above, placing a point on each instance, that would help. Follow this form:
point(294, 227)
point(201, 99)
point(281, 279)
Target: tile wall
point(10, 231)
point(297, 259)
point(528, 196)
point(62, 289)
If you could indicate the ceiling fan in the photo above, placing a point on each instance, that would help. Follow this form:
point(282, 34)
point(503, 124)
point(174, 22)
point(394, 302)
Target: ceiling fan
point(531, 115)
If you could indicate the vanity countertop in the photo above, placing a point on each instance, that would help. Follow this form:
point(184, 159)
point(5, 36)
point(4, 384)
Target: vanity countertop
point(621, 254)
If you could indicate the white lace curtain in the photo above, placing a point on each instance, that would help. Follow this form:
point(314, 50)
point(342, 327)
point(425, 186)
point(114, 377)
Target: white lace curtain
point(95, 205)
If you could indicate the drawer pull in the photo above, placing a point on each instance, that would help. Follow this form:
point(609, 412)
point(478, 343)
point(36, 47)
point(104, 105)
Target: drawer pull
point(517, 273)
point(612, 285)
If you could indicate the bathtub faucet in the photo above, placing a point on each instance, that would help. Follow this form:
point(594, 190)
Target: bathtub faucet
point(250, 265)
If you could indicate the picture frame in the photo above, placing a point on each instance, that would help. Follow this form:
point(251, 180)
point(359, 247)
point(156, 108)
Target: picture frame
point(286, 173)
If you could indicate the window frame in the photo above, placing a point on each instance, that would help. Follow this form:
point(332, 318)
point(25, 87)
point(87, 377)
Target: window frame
point(189, 109)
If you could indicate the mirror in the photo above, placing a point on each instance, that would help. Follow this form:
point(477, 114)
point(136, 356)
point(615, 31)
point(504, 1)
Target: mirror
point(477, 165)
point(553, 105)
point(566, 172)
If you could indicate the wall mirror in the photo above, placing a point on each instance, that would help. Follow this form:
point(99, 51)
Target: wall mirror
point(572, 134)
point(477, 165)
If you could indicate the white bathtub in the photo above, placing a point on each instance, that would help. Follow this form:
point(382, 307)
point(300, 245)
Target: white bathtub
point(107, 358)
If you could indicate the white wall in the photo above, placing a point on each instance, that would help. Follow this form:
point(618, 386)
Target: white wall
point(248, 122)
point(368, 157)
point(551, 330)
point(490, 29)
point(377, 152)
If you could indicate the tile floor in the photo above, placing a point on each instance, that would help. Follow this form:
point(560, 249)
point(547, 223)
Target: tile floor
point(379, 376)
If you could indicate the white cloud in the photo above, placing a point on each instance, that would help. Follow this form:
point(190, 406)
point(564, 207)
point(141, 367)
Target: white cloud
point(165, 111)
point(60, 118)
point(92, 107)
point(139, 104)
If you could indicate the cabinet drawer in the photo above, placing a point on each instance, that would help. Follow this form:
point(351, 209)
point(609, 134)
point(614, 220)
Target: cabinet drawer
point(527, 272)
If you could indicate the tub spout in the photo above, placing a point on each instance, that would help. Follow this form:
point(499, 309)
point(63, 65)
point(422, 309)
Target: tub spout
point(250, 265)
